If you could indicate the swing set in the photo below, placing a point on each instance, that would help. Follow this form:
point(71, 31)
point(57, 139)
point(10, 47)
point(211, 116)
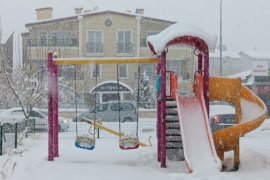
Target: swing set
point(87, 141)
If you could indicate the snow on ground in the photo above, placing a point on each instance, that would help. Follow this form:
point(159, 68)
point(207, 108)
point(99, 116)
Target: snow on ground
point(107, 161)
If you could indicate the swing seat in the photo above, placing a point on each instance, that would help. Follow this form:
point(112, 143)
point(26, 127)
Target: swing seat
point(129, 147)
point(128, 143)
point(85, 142)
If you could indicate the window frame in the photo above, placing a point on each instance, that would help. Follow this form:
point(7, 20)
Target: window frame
point(131, 41)
point(92, 70)
point(123, 77)
point(39, 38)
point(88, 39)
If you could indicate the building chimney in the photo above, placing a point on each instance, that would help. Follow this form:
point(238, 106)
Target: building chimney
point(139, 11)
point(44, 13)
point(78, 10)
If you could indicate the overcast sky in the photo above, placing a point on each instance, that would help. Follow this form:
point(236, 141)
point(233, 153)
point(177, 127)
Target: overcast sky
point(246, 23)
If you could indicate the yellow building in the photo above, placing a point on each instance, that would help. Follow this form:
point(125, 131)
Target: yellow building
point(98, 34)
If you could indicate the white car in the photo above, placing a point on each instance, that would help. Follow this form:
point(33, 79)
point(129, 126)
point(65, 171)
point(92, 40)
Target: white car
point(14, 115)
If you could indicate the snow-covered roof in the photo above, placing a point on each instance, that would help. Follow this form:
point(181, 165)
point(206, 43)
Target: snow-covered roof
point(232, 54)
point(92, 13)
point(242, 75)
point(159, 41)
point(257, 54)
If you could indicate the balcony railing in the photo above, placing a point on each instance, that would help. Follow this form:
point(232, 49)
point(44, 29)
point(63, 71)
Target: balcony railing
point(124, 47)
point(95, 48)
point(53, 42)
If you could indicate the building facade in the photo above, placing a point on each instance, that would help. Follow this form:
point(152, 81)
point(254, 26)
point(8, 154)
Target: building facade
point(6, 53)
point(99, 34)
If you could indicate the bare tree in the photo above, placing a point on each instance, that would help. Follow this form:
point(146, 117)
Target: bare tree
point(25, 86)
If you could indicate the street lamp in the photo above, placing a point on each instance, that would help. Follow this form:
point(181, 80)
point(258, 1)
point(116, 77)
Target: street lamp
point(220, 38)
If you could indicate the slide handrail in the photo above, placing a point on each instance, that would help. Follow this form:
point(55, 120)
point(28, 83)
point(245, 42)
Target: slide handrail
point(173, 85)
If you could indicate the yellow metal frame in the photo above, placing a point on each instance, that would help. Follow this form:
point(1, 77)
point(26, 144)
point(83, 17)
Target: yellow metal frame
point(101, 127)
point(231, 90)
point(107, 60)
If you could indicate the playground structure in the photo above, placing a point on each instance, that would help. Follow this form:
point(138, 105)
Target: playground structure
point(193, 111)
point(102, 127)
point(53, 61)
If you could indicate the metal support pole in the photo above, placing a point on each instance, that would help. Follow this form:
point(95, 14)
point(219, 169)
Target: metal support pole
point(55, 109)
point(50, 109)
point(1, 140)
point(138, 36)
point(158, 119)
point(163, 110)
point(16, 134)
point(206, 81)
point(220, 39)
point(200, 63)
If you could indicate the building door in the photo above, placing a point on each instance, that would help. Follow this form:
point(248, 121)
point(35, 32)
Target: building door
point(110, 97)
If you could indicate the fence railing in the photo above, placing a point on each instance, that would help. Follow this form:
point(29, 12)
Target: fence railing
point(10, 134)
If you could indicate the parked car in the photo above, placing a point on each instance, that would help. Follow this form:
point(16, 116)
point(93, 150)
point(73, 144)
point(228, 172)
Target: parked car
point(221, 116)
point(39, 116)
point(109, 112)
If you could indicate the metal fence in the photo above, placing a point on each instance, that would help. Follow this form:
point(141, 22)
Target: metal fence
point(11, 134)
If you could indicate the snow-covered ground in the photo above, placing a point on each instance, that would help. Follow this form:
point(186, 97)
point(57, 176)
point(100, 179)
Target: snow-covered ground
point(107, 161)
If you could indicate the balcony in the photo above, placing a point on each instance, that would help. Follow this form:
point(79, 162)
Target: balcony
point(94, 48)
point(125, 48)
point(53, 42)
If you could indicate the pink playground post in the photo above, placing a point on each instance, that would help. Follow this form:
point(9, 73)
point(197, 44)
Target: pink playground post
point(52, 109)
point(55, 109)
point(163, 111)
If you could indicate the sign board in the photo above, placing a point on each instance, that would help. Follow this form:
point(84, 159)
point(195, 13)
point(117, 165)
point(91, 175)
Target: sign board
point(259, 68)
point(111, 87)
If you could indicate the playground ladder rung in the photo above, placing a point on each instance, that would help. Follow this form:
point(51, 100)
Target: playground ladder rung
point(167, 134)
point(173, 127)
point(171, 122)
point(171, 107)
point(174, 147)
point(173, 141)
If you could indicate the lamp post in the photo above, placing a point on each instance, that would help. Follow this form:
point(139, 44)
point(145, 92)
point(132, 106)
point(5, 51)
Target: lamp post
point(220, 38)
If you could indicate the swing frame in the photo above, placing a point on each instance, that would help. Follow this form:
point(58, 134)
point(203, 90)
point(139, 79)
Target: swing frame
point(53, 61)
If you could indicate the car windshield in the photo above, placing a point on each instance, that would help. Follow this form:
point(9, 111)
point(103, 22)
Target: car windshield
point(100, 108)
point(44, 112)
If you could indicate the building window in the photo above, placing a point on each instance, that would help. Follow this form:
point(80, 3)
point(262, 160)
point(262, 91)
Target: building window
point(95, 70)
point(42, 38)
point(123, 70)
point(60, 38)
point(143, 41)
point(95, 42)
point(124, 41)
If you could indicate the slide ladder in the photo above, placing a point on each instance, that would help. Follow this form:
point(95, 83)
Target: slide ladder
point(174, 145)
